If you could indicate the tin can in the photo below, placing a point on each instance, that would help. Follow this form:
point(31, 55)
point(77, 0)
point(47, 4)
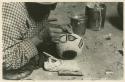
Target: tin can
point(96, 16)
point(78, 23)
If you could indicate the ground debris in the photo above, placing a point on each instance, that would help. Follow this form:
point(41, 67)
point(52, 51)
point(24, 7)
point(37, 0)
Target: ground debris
point(108, 36)
point(120, 51)
point(108, 72)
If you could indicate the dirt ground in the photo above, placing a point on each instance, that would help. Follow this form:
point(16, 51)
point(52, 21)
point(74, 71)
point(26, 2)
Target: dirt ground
point(101, 58)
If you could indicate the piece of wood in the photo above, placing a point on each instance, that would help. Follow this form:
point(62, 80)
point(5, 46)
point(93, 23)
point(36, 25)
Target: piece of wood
point(50, 56)
point(70, 73)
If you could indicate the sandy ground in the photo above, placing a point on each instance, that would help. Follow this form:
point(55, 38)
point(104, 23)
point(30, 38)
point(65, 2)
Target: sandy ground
point(100, 58)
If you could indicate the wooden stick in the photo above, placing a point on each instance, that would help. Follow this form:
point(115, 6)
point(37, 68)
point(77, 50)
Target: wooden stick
point(50, 55)
point(70, 73)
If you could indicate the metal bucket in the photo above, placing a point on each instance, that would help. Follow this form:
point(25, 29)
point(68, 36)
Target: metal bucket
point(78, 23)
point(96, 16)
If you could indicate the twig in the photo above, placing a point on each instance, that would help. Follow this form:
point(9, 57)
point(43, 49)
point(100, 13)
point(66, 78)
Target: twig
point(50, 55)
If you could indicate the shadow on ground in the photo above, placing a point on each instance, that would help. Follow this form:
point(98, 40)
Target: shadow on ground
point(116, 21)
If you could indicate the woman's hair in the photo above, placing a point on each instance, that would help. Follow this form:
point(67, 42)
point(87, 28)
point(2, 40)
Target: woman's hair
point(39, 10)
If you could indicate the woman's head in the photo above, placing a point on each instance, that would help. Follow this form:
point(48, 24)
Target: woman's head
point(40, 10)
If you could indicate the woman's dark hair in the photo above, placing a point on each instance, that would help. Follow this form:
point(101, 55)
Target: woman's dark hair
point(38, 11)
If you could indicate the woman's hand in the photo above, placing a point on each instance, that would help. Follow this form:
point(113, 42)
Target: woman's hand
point(55, 31)
point(51, 32)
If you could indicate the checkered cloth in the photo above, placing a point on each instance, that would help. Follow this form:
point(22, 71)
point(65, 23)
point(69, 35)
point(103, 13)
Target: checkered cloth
point(18, 28)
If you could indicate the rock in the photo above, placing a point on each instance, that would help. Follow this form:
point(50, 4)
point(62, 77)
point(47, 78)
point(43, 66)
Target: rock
point(120, 51)
point(109, 72)
point(108, 36)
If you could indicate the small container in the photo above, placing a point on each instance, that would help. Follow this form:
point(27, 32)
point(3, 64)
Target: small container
point(96, 15)
point(78, 23)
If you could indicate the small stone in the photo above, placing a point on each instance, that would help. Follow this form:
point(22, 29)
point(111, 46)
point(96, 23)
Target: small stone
point(108, 36)
point(120, 51)
point(109, 72)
